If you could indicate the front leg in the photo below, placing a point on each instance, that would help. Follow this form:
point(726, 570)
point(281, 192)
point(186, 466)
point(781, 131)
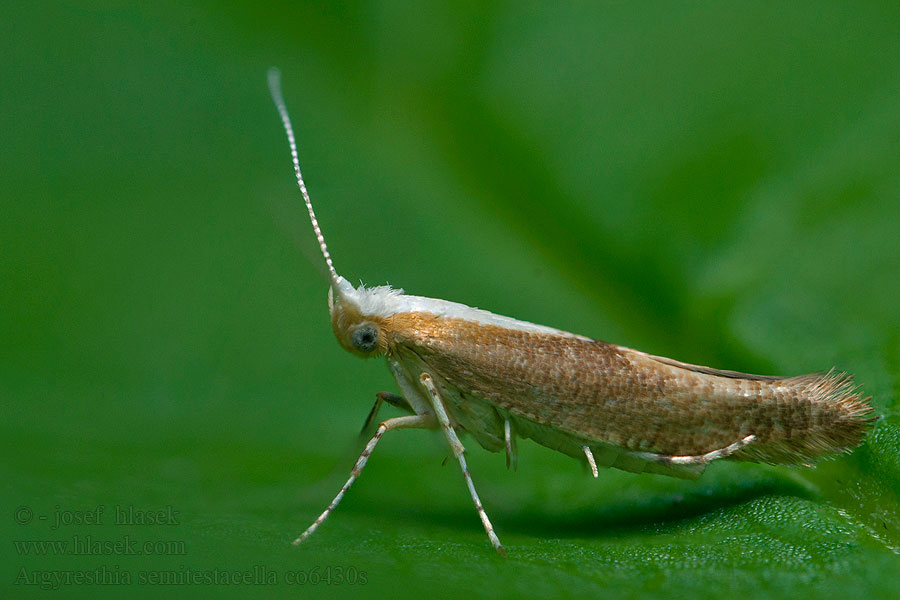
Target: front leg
point(458, 450)
point(425, 421)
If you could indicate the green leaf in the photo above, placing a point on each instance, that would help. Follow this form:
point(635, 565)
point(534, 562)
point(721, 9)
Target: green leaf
point(719, 184)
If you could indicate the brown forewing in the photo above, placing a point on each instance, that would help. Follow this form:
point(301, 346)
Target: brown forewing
point(605, 393)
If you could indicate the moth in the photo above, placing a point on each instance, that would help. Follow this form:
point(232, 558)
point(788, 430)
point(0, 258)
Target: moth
point(468, 371)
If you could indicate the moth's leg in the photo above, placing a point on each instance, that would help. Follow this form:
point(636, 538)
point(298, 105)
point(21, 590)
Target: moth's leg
point(701, 459)
point(590, 458)
point(426, 421)
point(512, 454)
point(457, 447)
point(393, 400)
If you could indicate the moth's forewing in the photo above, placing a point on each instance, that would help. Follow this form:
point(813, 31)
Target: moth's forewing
point(566, 391)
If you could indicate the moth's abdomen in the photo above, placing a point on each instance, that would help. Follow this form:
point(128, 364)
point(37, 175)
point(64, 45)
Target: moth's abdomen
point(594, 392)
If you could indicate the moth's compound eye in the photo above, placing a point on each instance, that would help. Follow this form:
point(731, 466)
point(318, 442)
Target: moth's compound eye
point(365, 338)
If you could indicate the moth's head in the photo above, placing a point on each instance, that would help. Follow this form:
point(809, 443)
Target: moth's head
point(358, 317)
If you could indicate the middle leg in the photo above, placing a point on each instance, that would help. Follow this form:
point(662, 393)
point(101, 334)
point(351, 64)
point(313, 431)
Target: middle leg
point(458, 450)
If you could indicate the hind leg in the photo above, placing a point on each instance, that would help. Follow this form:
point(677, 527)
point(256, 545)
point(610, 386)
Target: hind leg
point(699, 459)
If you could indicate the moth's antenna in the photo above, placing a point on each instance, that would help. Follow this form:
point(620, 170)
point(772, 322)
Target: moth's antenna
point(275, 89)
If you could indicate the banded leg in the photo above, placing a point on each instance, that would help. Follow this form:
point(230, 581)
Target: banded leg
point(700, 459)
point(409, 422)
point(458, 450)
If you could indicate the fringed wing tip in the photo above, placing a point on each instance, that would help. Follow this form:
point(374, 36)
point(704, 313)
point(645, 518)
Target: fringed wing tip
point(839, 417)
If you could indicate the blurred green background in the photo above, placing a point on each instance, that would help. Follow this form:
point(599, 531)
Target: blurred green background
point(717, 182)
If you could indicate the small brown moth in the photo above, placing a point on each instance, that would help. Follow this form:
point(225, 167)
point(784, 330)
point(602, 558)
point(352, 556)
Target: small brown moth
point(466, 370)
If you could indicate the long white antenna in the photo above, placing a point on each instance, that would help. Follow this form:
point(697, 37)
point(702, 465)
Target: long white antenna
point(275, 89)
